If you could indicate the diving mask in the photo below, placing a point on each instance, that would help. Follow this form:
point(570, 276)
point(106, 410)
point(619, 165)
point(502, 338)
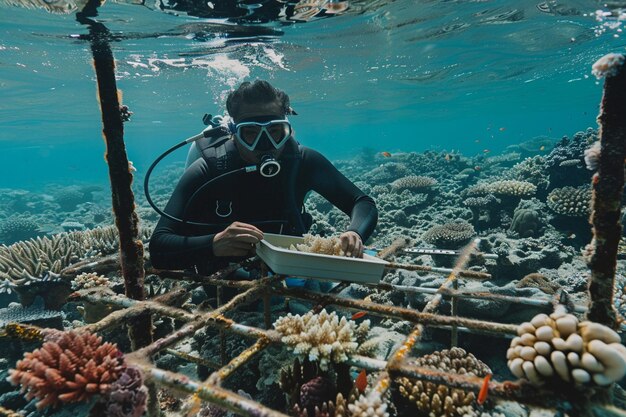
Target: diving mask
point(249, 134)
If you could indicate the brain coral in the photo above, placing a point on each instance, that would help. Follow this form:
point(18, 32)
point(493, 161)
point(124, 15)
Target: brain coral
point(413, 183)
point(570, 201)
point(560, 347)
point(322, 337)
point(449, 235)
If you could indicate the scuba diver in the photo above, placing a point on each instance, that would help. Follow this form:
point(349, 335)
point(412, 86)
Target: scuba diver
point(247, 177)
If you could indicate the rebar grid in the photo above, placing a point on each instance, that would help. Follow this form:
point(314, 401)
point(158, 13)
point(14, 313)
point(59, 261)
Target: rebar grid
point(211, 390)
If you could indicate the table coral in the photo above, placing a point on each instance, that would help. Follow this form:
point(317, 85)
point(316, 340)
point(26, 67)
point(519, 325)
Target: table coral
point(322, 337)
point(413, 183)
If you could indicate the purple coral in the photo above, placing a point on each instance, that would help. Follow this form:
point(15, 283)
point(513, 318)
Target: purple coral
point(126, 398)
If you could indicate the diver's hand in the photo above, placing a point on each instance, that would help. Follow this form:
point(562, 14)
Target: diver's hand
point(351, 244)
point(238, 239)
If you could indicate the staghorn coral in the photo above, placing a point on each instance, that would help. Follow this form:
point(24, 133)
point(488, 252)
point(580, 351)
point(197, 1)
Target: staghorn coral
point(89, 280)
point(570, 201)
point(414, 183)
point(429, 399)
point(69, 367)
point(449, 235)
point(321, 245)
point(322, 337)
point(15, 229)
point(37, 257)
point(560, 347)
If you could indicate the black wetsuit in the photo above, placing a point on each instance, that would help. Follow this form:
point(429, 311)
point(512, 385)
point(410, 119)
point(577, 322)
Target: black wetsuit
point(255, 199)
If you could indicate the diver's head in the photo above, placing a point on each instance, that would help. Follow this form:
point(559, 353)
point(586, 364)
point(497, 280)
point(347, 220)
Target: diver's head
point(260, 126)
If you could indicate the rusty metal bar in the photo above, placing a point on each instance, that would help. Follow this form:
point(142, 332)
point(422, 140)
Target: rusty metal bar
point(192, 327)
point(214, 394)
point(464, 273)
point(454, 334)
point(398, 312)
point(219, 376)
point(195, 359)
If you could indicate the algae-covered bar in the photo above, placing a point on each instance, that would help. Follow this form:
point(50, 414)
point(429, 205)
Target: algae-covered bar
point(381, 216)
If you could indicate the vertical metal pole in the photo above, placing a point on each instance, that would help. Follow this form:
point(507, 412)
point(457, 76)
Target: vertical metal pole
point(454, 335)
point(608, 186)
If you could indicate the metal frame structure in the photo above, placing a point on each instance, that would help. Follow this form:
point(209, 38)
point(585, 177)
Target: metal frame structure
point(211, 390)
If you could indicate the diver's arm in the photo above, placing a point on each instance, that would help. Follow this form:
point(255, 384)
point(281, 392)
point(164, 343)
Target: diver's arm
point(331, 184)
point(169, 247)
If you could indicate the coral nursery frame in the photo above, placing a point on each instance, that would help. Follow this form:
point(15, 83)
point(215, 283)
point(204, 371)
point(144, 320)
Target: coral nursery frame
point(211, 390)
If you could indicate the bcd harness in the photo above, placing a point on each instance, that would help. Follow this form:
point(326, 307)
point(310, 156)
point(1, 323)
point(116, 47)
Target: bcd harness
point(220, 152)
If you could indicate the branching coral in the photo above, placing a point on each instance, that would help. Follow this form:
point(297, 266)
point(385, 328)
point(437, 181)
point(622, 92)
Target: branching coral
point(126, 398)
point(39, 256)
point(570, 201)
point(69, 367)
point(89, 280)
point(321, 245)
point(322, 337)
point(560, 347)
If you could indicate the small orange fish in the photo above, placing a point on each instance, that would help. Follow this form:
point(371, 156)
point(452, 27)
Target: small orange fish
point(484, 390)
point(542, 148)
point(361, 381)
point(486, 151)
point(502, 129)
point(477, 168)
point(358, 315)
point(385, 154)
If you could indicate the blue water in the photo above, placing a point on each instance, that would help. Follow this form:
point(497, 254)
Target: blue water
point(393, 76)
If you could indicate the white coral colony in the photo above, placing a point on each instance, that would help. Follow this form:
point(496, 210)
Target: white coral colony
point(322, 337)
point(559, 346)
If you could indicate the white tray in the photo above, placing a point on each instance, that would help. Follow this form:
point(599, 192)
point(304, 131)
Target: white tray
point(273, 250)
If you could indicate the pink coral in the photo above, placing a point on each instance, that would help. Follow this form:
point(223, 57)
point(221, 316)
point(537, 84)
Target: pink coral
point(69, 367)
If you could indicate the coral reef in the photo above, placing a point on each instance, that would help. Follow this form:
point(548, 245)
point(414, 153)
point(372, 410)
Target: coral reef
point(560, 347)
point(69, 367)
point(451, 235)
point(570, 201)
point(562, 173)
point(367, 406)
point(502, 188)
point(322, 337)
point(525, 222)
